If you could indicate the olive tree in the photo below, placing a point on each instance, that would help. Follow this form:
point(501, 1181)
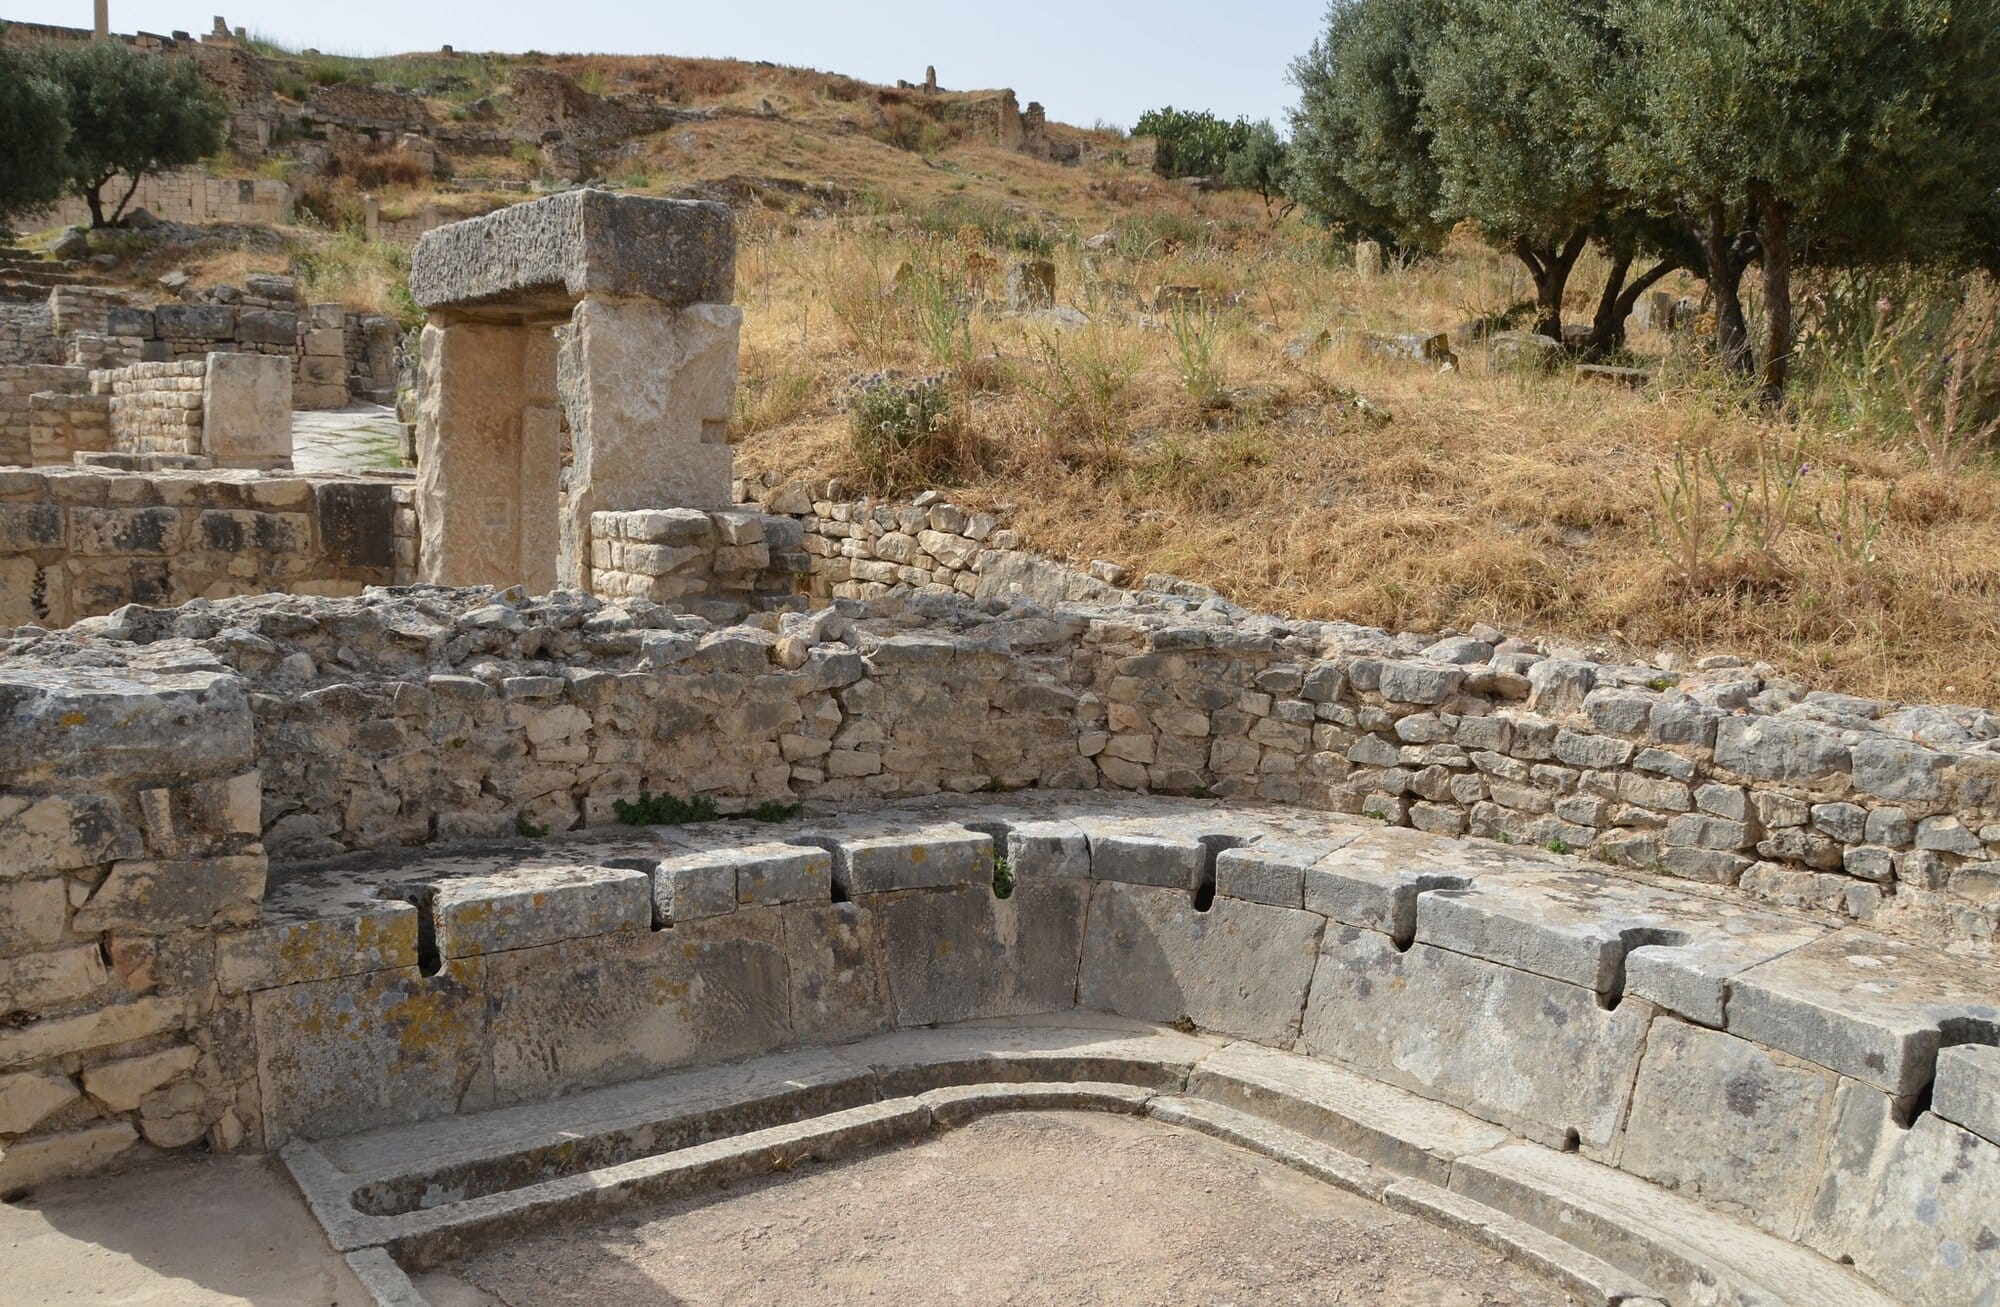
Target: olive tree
point(1361, 151)
point(1519, 101)
point(130, 113)
point(34, 129)
point(1785, 131)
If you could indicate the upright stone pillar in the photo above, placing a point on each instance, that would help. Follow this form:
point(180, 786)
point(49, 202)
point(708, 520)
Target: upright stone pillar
point(1367, 260)
point(520, 440)
point(488, 506)
point(101, 27)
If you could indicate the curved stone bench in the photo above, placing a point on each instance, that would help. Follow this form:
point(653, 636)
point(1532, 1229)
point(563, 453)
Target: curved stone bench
point(1715, 1103)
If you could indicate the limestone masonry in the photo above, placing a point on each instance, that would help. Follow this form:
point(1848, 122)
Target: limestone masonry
point(576, 827)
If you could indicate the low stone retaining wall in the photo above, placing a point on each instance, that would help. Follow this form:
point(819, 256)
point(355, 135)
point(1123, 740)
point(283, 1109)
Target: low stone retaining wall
point(337, 357)
point(722, 566)
point(79, 543)
point(184, 195)
point(20, 383)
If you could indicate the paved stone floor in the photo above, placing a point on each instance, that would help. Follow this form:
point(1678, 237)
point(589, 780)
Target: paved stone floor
point(350, 439)
point(190, 1232)
point(1030, 1208)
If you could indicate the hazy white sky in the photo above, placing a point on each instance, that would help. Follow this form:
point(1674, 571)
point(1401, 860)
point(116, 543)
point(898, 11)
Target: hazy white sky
point(1083, 59)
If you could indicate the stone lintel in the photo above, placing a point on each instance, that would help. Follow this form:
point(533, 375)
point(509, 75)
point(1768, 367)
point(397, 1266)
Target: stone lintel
point(547, 254)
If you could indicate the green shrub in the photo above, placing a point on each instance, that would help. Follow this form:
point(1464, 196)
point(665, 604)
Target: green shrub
point(903, 431)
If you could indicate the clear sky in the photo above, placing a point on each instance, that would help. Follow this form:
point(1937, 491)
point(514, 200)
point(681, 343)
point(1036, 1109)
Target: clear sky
point(1083, 59)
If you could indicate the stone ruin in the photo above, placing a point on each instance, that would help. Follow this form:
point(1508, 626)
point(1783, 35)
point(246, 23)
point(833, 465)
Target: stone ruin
point(1677, 987)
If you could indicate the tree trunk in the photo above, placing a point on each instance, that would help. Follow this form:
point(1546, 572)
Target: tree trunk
point(1550, 269)
point(1615, 305)
point(93, 196)
point(1725, 279)
point(126, 198)
point(1778, 292)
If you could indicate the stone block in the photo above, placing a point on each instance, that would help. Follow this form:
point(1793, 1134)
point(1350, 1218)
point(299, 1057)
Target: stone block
point(196, 321)
point(1375, 880)
point(882, 855)
point(529, 906)
point(836, 957)
point(29, 1097)
point(360, 935)
point(1777, 750)
point(1728, 1123)
point(157, 898)
point(105, 722)
point(1867, 1006)
point(961, 954)
point(1523, 1051)
point(593, 1012)
point(247, 410)
point(118, 1086)
point(1967, 1092)
point(346, 1054)
point(60, 833)
point(29, 1162)
point(357, 523)
point(578, 244)
point(1912, 1209)
point(1142, 858)
point(1238, 968)
point(119, 1024)
point(267, 327)
point(35, 982)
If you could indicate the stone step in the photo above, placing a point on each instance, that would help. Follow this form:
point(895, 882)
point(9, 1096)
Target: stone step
point(1590, 1279)
point(410, 1183)
point(1693, 1253)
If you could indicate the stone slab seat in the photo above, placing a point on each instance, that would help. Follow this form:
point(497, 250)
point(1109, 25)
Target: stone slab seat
point(550, 253)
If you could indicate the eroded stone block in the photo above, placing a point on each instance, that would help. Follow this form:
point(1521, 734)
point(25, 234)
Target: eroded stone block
point(1867, 1006)
point(1914, 1209)
point(1239, 968)
point(580, 243)
point(1968, 1089)
point(959, 954)
point(528, 906)
point(340, 1055)
point(616, 1007)
point(1533, 1054)
point(1719, 1119)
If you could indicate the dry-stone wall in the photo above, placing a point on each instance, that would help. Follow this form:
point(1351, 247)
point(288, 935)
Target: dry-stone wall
point(78, 543)
point(155, 408)
point(20, 384)
point(27, 335)
point(1727, 774)
point(721, 565)
point(338, 357)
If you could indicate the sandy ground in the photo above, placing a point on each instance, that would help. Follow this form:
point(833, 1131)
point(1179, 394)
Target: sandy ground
point(1021, 1208)
point(190, 1232)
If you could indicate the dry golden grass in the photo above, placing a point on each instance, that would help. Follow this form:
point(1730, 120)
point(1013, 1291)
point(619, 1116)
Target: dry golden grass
point(1345, 486)
point(1486, 495)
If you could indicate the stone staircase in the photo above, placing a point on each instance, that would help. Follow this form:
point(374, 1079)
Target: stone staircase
point(26, 275)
